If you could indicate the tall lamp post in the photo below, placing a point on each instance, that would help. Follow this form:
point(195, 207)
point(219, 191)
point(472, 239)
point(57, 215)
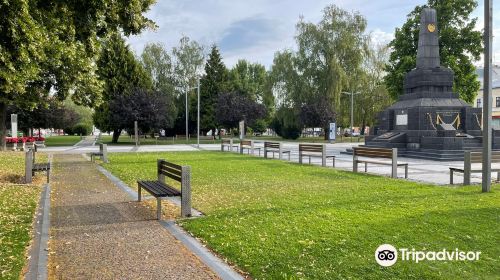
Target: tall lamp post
point(487, 89)
point(352, 109)
point(198, 119)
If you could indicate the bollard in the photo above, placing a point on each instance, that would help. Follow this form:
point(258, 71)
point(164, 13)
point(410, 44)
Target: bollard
point(186, 191)
point(28, 167)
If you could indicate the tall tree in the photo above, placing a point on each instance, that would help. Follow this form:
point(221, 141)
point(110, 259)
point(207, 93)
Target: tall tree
point(121, 74)
point(328, 54)
point(188, 59)
point(51, 45)
point(158, 63)
point(214, 82)
point(459, 45)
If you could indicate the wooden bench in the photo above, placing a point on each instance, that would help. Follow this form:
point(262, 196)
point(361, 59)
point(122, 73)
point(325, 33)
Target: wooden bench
point(275, 147)
point(227, 143)
point(470, 158)
point(182, 137)
point(378, 153)
point(102, 154)
point(249, 145)
point(160, 188)
point(311, 150)
point(31, 167)
point(207, 138)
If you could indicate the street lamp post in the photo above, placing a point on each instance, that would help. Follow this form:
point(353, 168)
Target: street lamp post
point(487, 89)
point(352, 110)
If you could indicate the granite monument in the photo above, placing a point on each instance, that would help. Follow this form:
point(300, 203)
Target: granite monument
point(429, 120)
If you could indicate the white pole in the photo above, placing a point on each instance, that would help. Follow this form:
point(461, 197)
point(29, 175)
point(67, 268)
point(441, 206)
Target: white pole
point(198, 129)
point(487, 89)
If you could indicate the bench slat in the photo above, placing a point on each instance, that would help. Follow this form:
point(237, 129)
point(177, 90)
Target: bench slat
point(169, 164)
point(158, 189)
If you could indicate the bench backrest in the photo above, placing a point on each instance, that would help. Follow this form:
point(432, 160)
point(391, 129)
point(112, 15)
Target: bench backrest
point(226, 141)
point(245, 143)
point(311, 148)
point(477, 157)
point(373, 152)
point(272, 145)
point(207, 137)
point(170, 170)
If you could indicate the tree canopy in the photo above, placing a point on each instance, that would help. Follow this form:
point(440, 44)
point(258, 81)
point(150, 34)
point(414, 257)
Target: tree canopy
point(460, 44)
point(50, 46)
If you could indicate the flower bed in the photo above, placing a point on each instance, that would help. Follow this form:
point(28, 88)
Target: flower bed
point(12, 140)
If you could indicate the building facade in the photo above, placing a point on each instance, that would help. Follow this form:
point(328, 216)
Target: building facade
point(478, 103)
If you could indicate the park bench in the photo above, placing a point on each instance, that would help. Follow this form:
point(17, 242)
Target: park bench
point(249, 146)
point(102, 154)
point(182, 137)
point(470, 158)
point(275, 147)
point(207, 138)
point(311, 150)
point(160, 188)
point(31, 167)
point(227, 143)
point(369, 152)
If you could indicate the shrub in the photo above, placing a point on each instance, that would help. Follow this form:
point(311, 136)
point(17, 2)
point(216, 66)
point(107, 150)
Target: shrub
point(81, 129)
point(286, 124)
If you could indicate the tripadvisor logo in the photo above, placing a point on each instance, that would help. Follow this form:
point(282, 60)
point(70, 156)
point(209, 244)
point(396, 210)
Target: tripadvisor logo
point(387, 255)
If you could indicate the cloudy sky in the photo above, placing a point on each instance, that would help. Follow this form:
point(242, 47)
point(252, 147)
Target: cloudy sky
point(255, 30)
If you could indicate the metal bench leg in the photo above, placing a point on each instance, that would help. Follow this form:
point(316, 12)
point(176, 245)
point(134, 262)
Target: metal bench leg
point(48, 176)
point(406, 171)
point(290, 153)
point(309, 159)
point(366, 167)
point(333, 162)
point(139, 193)
point(498, 176)
point(451, 177)
point(158, 208)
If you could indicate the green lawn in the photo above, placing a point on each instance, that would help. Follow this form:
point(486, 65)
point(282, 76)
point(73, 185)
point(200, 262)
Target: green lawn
point(65, 140)
point(17, 208)
point(279, 220)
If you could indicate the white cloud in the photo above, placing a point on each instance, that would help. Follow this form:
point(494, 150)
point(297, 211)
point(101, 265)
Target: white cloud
point(259, 28)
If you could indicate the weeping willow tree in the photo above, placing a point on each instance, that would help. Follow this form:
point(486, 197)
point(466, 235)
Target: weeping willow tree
point(328, 55)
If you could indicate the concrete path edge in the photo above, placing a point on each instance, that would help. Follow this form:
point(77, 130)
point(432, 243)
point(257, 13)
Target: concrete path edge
point(39, 252)
point(222, 269)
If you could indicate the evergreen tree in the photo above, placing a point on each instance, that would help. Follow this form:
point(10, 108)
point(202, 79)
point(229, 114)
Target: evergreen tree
point(121, 74)
point(459, 44)
point(212, 84)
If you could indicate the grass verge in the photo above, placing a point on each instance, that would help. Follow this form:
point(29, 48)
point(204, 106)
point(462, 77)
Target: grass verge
point(279, 220)
point(17, 208)
point(66, 140)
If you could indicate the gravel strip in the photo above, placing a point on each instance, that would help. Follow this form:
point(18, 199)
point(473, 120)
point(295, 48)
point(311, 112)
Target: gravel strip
point(97, 232)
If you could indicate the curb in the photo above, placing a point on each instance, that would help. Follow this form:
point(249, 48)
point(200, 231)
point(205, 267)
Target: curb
point(39, 252)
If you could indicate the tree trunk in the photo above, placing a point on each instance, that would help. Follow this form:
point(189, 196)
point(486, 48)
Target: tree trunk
point(116, 134)
point(3, 127)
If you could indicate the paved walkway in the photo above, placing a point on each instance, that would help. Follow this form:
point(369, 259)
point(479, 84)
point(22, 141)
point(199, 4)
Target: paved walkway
point(98, 233)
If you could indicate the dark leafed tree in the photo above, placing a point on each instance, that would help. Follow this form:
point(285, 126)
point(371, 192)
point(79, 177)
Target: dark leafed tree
point(51, 45)
point(121, 73)
point(213, 83)
point(234, 107)
point(459, 45)
point(153, 110)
